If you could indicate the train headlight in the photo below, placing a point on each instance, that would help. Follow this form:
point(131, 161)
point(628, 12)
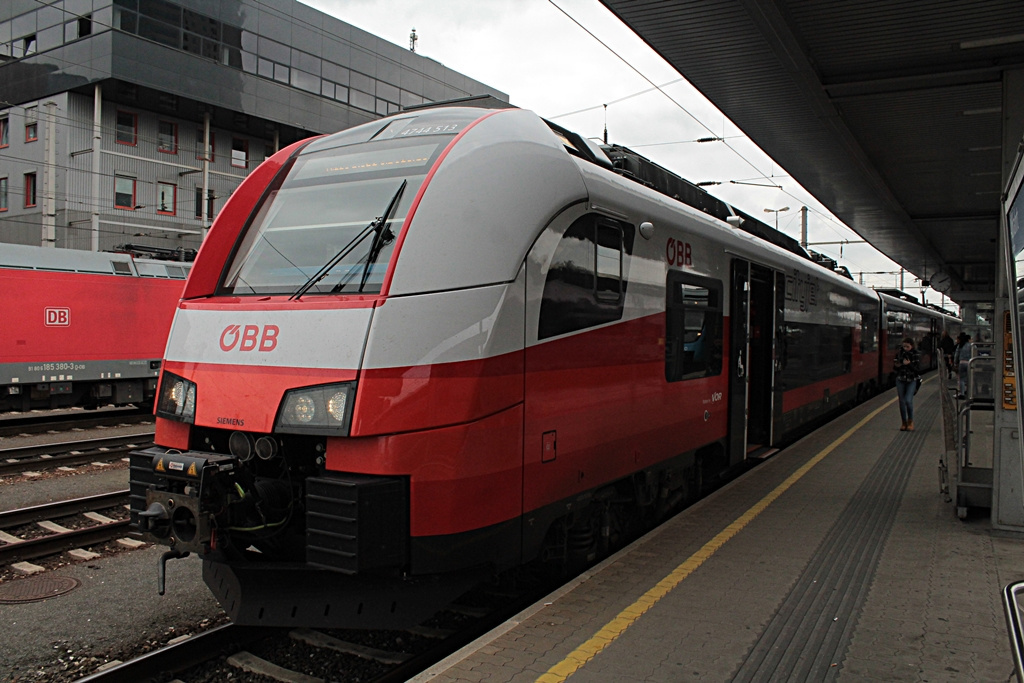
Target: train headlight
point(325, 409)
point(177, 398)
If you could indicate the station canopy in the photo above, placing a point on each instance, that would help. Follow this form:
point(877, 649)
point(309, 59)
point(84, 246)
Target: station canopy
point(903, 118)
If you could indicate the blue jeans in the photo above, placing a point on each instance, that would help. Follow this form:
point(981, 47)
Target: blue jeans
point(905, 391)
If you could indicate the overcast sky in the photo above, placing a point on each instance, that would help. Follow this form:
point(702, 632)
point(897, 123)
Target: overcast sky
point(534, 51)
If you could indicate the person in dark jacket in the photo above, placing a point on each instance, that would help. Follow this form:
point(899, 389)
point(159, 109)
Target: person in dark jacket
point(962, 356)
point(905, 364)
point(948, 346)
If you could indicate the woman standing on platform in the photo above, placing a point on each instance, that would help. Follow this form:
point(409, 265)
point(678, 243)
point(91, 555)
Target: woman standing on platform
point(907, 373)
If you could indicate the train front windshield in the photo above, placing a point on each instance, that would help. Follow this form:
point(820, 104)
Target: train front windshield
point(331, 226)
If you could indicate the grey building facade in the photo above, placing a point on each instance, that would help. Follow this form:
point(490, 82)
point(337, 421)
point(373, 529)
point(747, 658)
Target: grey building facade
point(118, 117)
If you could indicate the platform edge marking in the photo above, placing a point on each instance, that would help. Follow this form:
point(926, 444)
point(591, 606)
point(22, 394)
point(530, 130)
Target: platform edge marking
point(575, 660)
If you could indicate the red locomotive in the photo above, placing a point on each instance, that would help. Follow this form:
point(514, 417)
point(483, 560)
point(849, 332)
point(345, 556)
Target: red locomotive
point(83, 328)
point(458, 340)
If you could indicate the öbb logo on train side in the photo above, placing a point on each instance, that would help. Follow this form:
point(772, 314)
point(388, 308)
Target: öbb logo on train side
point(678, 253)
point(249, 338)
point(57, 317)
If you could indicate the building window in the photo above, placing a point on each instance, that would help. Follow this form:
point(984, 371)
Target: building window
point(30, 190)
point(28, 44)
point(167, 137)
point(239, 153)
point(124, 193)
point(78, 28)
point(199, 145)
point(127, 128)
point(3, 194)
point(5, 136)
point(199, 203)
point(31, 124)
point(166, 198)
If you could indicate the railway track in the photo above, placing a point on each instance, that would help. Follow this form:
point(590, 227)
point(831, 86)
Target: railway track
point(43, 530)
point(69, 453)
point(311, 656)
point(49, 422)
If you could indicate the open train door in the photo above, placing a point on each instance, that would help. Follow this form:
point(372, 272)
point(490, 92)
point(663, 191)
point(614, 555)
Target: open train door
point(752, 367)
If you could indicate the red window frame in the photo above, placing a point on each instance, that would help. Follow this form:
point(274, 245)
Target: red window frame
point(5, 132)
point(159, 137)
point(245, 148)
point(174, 200)
point(121, 206)
point(4, 200)
point(199, 145)
point(135, 128)
point(30, 190)
point(32, 131)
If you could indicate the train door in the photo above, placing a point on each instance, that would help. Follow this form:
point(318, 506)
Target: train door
point(752, 366)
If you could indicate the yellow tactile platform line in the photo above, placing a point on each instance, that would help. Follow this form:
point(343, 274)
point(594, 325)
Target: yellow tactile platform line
point(617, 626)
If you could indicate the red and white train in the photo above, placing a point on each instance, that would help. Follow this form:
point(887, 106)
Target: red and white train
point(457, 340)
point(82, 328)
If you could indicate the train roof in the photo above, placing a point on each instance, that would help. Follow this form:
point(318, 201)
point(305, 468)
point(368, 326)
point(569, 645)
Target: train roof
point(894, 298)
point(24, 257)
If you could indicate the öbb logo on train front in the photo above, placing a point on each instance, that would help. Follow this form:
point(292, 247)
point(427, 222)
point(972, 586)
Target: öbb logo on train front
point(678, 253)
point(249, 338)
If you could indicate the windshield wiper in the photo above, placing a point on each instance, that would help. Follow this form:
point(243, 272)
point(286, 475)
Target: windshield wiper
point(347, 249)
point(382, 236)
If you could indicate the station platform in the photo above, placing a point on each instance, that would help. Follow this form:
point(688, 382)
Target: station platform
point(837, 559)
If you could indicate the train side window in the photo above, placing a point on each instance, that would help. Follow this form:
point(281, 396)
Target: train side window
point(586, 283)
point(693, 327)
point(608, 261)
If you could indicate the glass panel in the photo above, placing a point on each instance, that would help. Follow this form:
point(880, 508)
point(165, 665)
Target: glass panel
point(159, 32)
point(168, 137)
point(165, 196)
point(328, 204)
point(124, 193)
point(126, 128)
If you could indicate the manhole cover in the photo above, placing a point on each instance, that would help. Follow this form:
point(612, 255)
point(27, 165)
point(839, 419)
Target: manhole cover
point(36, 588)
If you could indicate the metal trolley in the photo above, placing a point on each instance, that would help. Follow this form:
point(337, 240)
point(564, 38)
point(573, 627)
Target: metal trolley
point(974, 480)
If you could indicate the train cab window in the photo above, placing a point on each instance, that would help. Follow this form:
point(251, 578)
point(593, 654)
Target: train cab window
point(585, 284)
point(331, 224)
point(693, 327)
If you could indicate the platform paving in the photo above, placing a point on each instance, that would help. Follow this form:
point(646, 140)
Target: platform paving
point(838, 559)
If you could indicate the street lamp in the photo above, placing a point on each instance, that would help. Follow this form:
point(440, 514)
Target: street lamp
point(777, 212)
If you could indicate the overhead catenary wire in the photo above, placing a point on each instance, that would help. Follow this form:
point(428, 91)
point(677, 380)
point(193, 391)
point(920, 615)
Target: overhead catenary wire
point(830, 223)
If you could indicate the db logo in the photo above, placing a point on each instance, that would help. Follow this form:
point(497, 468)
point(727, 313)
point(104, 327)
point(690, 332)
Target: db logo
point(678, 253)
point(57, 317)
point(247, 338)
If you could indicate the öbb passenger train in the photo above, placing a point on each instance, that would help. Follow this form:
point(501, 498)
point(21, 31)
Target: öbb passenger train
point(459, 340)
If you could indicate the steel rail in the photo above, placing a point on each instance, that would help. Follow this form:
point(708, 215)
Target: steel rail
point(15, 460)
point(27, 549)
point(36, 424)
point(199, 648)
point(62, 508)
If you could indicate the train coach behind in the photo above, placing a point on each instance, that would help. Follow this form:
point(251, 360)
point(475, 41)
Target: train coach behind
point(451, 342)
point(83, 328)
